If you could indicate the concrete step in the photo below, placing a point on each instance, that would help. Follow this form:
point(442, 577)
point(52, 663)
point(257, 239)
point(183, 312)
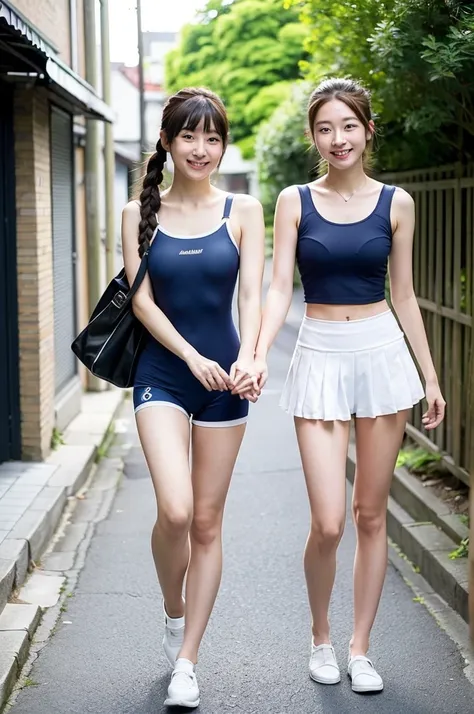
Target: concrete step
point(426, 544)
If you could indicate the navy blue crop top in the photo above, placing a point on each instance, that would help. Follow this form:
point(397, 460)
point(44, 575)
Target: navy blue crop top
point(344, 263)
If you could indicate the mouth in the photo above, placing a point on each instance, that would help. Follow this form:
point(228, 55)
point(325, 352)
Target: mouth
point(198, 165)
point(343, 154)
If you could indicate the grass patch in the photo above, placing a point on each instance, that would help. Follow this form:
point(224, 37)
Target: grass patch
point(462, 551)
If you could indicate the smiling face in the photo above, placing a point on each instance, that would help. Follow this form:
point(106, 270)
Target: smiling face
point(339, 135)
point(195, 130)
point(197, 152)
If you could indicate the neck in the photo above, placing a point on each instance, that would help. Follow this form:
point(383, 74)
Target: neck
point(346, 181)
point(186, 191)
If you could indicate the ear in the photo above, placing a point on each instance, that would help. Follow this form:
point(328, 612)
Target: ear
point(371, 132)
point(164, 140)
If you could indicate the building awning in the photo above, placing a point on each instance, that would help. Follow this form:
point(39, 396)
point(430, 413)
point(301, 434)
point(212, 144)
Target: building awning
point(26, 55)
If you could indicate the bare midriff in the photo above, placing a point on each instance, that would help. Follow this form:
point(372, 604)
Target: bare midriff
point(344, 313)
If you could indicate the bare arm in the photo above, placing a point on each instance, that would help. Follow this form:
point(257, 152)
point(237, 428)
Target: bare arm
point(279, 295)
point(404, 300)
point(252, 257)
point(150, 315)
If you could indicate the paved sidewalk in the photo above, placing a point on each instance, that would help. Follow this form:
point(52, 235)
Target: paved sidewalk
point(33, 497)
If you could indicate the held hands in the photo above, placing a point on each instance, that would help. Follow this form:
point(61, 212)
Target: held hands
point(434, 415)
point(249, 378)
point(244, 379)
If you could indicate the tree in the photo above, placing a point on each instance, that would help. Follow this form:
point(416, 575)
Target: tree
point(417, 58)
point(283, 150)
point(241, 49)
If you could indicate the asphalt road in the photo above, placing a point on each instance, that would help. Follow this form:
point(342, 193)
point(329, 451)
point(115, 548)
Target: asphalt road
point(255, 654)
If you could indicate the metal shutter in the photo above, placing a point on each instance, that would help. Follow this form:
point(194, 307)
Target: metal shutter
point(63, 246)
point(10, 445)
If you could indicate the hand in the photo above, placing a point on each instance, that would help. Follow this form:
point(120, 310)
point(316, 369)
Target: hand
point(243, 377)
point(209, 373)
point(258, 374)
point(261, 368)
point(434, 415)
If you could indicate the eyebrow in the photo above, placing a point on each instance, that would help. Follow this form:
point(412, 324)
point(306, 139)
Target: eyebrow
point(188, 128)
point(327, 121)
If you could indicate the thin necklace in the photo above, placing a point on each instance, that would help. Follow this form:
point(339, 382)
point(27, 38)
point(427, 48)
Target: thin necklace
point(352, 194)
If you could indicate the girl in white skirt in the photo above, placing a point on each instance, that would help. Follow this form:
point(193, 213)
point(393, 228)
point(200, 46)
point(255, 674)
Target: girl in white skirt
point(351, 358)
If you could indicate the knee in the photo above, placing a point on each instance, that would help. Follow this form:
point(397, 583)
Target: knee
point(174, 521)
point(369, 521)
point(206, 526)
point(327, 534)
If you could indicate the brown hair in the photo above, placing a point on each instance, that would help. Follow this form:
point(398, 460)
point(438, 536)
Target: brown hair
point(351, 93)
point(187, 108)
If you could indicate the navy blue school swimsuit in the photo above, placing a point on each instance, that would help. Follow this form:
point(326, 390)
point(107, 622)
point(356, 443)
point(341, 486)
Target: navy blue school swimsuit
point(193, 282)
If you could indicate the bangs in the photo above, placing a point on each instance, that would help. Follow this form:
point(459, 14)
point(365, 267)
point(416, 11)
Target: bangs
point(190, 113)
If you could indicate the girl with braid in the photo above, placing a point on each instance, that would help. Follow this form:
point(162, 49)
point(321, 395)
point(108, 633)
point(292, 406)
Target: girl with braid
point(193, 372)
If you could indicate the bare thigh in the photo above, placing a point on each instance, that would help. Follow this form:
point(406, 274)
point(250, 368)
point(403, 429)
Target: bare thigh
point(323, 447)
point(377, 445)
point(164, 436)
point(214, 452)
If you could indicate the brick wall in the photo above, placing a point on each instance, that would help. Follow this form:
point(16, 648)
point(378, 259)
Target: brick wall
point(52, 18)
point(35, 271)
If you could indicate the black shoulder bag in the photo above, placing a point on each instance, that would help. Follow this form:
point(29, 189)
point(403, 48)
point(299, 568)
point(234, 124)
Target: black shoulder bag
point(110, 344)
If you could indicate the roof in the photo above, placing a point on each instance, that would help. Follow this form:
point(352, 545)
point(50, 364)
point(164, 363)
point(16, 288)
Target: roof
point(25, 53)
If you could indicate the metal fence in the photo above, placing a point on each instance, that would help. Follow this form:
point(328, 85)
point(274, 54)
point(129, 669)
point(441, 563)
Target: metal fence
point(444, 280)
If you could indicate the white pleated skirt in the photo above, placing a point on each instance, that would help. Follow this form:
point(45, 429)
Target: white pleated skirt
point(359, 367)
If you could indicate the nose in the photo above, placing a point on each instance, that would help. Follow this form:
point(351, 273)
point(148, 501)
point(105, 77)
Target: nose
point(338, 139)
point(199, 149)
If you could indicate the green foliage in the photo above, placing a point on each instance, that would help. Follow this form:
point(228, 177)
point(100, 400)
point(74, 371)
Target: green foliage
point(57, 439)
point(418, 460)
point(248, 51)
point(417, 58)
point(462, 551)
point(282, 150)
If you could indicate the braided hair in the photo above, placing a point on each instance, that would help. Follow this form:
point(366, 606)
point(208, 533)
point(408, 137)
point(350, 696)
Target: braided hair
point(150, 199)
point(187, 108)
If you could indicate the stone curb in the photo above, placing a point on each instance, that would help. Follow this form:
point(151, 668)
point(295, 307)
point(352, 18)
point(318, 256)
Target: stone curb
point(30, 536)
point(426, 545)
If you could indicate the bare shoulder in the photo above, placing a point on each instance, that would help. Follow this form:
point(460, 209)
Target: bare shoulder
point(402, 199)
point(288, 204)
point(289, 195)
point(244, 202)
point(132, 209)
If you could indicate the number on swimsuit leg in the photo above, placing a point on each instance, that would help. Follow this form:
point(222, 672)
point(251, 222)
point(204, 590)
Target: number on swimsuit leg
point(147, 395)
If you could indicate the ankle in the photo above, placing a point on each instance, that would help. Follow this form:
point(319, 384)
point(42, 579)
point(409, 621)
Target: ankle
point(175, 610)
point(358, 648)
point(189, 654)
point(321, 637)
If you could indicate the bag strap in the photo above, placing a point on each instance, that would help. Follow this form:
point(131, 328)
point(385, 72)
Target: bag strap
point(139, 276)
point(141, 271)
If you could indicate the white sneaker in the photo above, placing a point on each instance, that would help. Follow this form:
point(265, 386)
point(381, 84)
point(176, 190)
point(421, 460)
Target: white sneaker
point(363, 675)
point(183, 690)
point(323, 667)
point(173, 637)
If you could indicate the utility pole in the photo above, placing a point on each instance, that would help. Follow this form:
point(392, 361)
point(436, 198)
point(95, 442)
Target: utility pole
point(141, 84)
point(91, 161)
point(109, 154)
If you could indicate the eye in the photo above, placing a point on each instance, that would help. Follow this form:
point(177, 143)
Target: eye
point(187, 136)
point(214, 139)
point(324, 130)
point(351, 126)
